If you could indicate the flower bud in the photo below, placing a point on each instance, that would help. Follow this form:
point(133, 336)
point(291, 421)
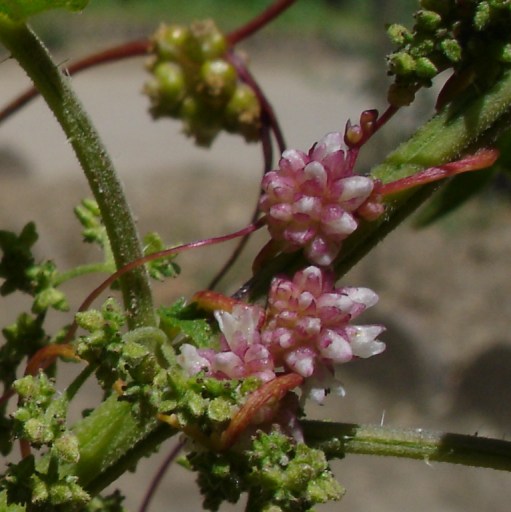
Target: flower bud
point(401, 95)
point(428, 20)
point(398, 34)
point(451, 49)
point(401, 63)
point(206, 42)
point(200, 121)
point(169, 42)
point(243, 113)
point(425, 68)
point(217, 82)
point(168, 88)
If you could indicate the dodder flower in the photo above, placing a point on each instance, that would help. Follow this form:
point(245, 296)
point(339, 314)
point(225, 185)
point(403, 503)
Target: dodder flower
point(305, 330)
point(241, 352)
point(307, 326)
point(311, 200)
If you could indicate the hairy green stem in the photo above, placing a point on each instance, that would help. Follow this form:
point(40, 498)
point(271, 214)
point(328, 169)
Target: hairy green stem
point(112, 440)
point(54, 86)
point(82, 270)
point(338, 439)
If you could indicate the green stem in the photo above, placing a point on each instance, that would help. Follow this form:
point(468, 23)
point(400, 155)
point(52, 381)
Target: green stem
point(33, 57)
point(82, 270)
point(112, 440)
point(338, 439)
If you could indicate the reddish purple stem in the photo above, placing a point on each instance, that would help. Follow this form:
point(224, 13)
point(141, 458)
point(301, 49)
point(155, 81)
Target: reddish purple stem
point(155, 256)
point(155, 482)
point(124, 51)
point(259, 21)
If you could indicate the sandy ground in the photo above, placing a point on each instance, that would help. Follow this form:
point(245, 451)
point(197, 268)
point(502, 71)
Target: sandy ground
point(444, 292)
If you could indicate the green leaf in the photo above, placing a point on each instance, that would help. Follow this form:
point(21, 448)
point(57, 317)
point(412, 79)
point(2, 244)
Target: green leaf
point(163, 267)
point(19, 10)
point(180, 318)
point(17, 259)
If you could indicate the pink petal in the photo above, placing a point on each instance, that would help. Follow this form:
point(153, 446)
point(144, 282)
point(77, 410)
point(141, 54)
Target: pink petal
point(293, 161)
point(322, 251)
point(338, 222)
point(191, 361)
point(301, 361)
point(335, 347)
point(330, 143)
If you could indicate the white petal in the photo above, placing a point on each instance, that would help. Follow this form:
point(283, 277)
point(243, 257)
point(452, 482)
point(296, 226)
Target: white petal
point(191, 361)
point(356, 188)
point(363, 340)
point(364, 296)
point(229, 364)
point(335, 347)
point(341, 226)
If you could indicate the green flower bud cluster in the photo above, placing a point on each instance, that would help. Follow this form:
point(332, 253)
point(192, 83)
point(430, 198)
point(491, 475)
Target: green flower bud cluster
point(59, 495)
point(102, 347)
point(41, 420)
point(46, 296)
point(145, 362)
point(471, 37)
point(192, 81)
point(89, 216)
point(277, 473)
point(41, 488)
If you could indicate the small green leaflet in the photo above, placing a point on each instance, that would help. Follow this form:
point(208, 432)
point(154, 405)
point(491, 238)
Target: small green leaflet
point(19, 10)
point(185, 319)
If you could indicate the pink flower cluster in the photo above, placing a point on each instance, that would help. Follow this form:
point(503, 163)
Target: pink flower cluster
point(310, 201)
point(241, 353)
point(305, 329)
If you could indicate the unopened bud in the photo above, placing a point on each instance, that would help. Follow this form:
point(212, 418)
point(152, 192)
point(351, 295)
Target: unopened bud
point(206, 43)
point(353, 134)
point(169, 42)
point(368, 120)
point(168, 88)
point(217, 82)
point(428, 20)
point(401, 63)
point(243, 113)
point(451, 49)
point(425, 68)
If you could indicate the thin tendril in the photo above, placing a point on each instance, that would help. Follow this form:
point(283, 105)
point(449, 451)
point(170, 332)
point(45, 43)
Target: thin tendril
point(155, 482)
point(155, 256)
point(249, 79)
point(124, 51)
point(260, 21)
point(268, 158)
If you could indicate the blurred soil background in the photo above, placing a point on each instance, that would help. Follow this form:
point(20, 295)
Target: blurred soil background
point(445, 293)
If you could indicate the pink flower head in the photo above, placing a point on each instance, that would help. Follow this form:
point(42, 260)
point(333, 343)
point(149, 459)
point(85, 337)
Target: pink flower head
point(310, 201)
point(241, 352)
point(308, 323)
